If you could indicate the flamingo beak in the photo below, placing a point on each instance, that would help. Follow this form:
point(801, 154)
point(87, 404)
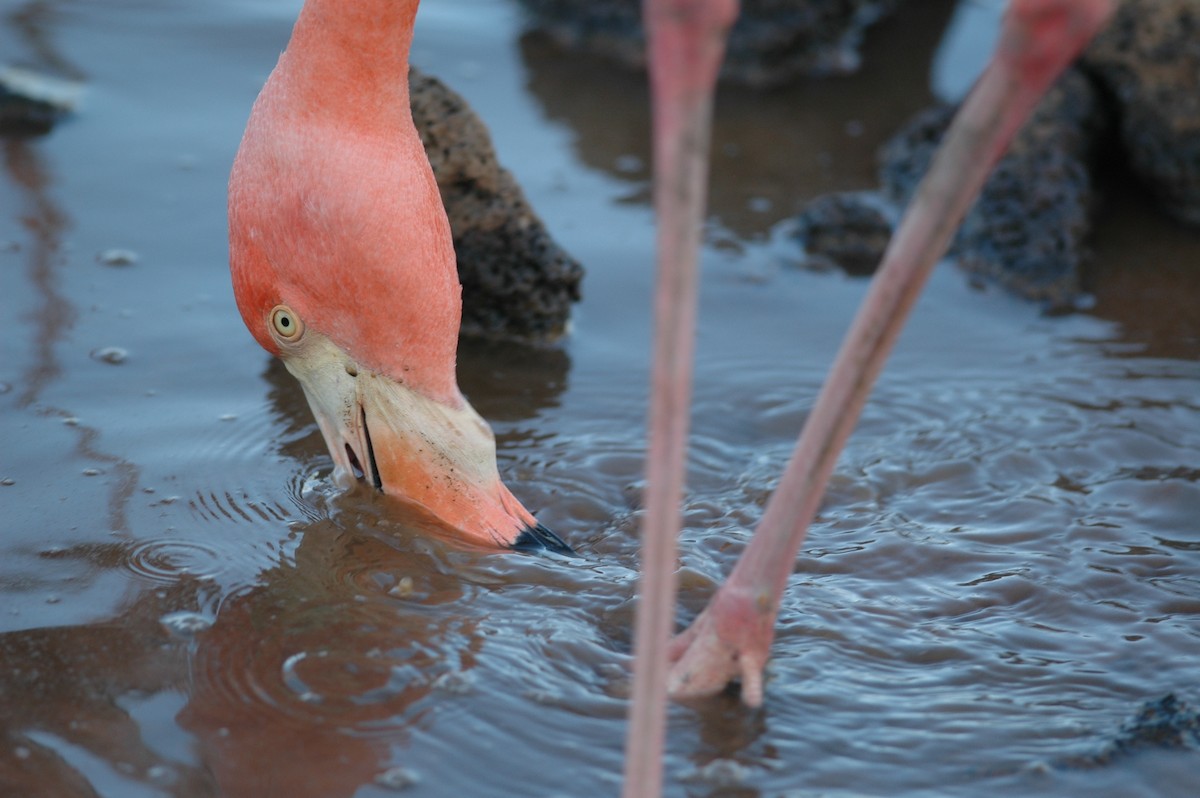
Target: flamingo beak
point(436, 457)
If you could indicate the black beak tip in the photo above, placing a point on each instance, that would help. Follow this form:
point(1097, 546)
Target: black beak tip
point(540, 538)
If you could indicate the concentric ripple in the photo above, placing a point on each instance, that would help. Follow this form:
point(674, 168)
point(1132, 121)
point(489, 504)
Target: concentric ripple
point(170, 560)
point(275, 664)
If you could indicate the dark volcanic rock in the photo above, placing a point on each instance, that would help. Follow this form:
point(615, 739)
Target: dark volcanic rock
point(30, 104)
point(1167, 723)
point(847, 229)
point(516, 280)
point(1027, 231)
point(1149, 59)
point(772, 41)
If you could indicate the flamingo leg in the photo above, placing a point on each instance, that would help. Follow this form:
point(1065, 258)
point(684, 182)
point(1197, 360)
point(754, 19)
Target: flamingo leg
point(686, 45)
point(731, 638)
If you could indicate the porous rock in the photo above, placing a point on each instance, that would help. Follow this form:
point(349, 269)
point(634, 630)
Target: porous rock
point(1149, 60)
point(516, 280)
point(845, 229)
point(1167, 723)
point(1028, 230)
point(772, 40)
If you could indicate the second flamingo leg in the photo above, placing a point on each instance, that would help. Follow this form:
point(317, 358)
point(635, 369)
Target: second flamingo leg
point(731, 638)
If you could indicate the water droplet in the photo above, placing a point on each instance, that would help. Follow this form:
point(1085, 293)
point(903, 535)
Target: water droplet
point(110, 354)
point(53, 599)
point(71, 421)
point(403, 588)
point(5, 387)
point(117, 257)
point(8, 481)
point(397, 778)
point(92, 472)
point(229, 417)
point(161, 775)
point(185, 624)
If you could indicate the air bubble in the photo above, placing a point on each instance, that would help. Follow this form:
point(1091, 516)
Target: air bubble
point(110, 354)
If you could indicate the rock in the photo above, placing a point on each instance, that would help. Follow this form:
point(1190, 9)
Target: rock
point(772, 41)
point(1167, 723)
point(516, 280)
point(32, 103)
point(1028, 230)
point(1149, 60)
point(849, 230)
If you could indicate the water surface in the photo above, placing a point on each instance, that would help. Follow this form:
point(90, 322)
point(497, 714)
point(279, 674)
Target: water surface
point(1007, 564)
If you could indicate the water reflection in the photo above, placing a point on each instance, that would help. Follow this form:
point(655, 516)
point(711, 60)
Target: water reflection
point(71, 695)
point(1144, 276)
point(55, 315)
point(308, 679)
point(328, 657)
point(33, 25)
point(772, 150)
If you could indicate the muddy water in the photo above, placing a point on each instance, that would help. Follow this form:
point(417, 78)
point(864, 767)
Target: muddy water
point(1007, 565)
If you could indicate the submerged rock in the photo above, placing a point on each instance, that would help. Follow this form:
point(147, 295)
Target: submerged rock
point(772, 41)
point(516, 280)
point(847, 230)
point(1166, 723)
point(1028, 230)
point(1149, 59)
point(32, 103)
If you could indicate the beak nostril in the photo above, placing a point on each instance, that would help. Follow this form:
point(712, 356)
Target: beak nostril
point(355, 465)
point(351, 370)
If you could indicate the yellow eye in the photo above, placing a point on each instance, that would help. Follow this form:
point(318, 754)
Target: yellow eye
point(286, 324)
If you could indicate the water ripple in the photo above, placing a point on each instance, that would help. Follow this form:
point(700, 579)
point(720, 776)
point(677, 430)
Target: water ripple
point(171, 560)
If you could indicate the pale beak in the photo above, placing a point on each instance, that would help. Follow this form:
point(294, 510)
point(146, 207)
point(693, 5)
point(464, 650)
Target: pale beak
point(438, 458)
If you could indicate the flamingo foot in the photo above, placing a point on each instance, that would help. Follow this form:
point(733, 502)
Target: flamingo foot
point(730, 640)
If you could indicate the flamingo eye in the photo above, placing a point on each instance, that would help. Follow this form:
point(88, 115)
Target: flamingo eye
point(286, 324)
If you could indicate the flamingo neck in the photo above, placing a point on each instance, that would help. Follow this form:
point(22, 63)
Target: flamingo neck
point(349, 59)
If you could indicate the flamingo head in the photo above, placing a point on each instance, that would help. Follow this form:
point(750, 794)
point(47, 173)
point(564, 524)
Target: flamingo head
point(343, 267)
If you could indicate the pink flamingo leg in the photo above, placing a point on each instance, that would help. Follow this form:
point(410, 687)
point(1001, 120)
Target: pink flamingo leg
point(686, 44)
point(731, 638)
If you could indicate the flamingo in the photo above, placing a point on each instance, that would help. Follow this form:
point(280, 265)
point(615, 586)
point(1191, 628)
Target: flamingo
point(342, 266)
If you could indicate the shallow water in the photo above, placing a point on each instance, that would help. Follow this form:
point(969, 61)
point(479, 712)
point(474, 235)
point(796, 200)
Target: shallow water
point(1007, 564)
